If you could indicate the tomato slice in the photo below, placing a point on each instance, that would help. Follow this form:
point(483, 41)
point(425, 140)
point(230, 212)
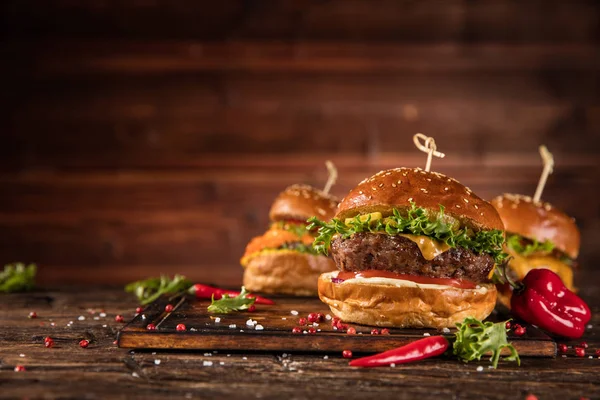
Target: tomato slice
point(372, 273)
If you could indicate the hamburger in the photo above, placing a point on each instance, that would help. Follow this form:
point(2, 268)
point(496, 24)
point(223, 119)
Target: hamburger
point(538, 235)
point(283, 260)
point(413, 249)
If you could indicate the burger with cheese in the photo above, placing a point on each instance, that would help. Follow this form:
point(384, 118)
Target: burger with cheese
point(283, 259)
point(538, 235)
point(413, 249)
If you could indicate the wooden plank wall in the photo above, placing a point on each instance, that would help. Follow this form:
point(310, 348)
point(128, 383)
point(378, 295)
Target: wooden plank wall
point(149, 136)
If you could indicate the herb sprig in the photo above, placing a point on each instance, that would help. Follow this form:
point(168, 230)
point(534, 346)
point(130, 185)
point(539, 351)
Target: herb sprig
point(417, 221)
point(227, 303)
point(17, 277)
point(475, 339)
point(148, 290)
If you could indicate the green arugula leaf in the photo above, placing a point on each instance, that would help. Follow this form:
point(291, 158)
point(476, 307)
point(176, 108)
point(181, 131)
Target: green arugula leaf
point(526, 247)
point(475, 339)
point(226, 303)
point(417, 221)
point(17, 277)
point(148, 290)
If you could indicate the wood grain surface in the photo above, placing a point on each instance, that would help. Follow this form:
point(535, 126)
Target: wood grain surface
point(232, 332)
point(105, 371)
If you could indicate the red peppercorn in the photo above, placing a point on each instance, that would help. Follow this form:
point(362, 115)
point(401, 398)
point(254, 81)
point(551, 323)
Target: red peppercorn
point(19, 368)
point(312, 330)
point(314, 317)
point(180, 327)
point(47, 339)
point(335, 322)
point(598, 352)
point(151, 327)
point(139, 310)
point(320, 317)
point(584, 345)
point(32, 314)
point(347, 354)
point(385, 331)
point(119, 318)
point(374, 332)
point(169, 308)
point(520, 330)
point(296, 330)
point(84, 343)
point(351, 331)
point(252, 308)
point(562, 348)
point(531, 397)
point(302, 321)
point(115, 342)
point(48, 342)
point(579, 351)
point(508, 324)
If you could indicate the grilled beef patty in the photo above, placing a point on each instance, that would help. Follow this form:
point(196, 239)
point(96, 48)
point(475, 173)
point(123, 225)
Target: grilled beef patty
point(366, 251)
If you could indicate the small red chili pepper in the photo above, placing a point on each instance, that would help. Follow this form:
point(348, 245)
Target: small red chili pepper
point(543, 300)
point(520, 330)
point(431, 346)
point(206, 292)
point(19, 368)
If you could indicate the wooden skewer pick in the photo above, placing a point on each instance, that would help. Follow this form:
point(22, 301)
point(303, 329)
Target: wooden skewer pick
point(332, 176)
point(428, 147)
point(548, 160)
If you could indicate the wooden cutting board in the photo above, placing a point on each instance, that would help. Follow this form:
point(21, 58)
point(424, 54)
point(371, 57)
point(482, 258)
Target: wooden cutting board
point(231, 333)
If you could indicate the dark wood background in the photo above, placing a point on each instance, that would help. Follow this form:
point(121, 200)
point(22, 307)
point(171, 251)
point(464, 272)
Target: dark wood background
point(149, 136)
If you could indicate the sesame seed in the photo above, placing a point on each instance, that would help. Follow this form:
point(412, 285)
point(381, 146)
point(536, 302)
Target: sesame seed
point(428, 179)
point(381, 185)
point(479, 369)
point(457, 206)
point(475, 205)
point(481, 214)
point(399, 182)
point(360, 192)
point(446, 188)
point(424, 190)
point(466, 201)
point(393, 185)
point(410, 199)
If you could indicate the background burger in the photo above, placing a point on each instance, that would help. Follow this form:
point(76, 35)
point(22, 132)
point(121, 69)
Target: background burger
point(283, 259)
point(414, 249)
point(538, 235)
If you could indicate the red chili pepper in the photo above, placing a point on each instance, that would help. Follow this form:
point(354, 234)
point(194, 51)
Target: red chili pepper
point(431, 346)
point(543, 300)
point(206, 292)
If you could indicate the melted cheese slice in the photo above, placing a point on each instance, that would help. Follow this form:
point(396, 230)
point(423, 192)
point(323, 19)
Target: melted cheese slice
point(430, 248)
point(522, 265)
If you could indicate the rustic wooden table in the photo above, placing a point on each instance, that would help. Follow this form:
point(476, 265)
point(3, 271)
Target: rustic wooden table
point(103, 370)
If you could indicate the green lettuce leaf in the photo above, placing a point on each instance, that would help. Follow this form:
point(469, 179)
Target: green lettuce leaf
point(475, 339)
point(297, 229)
point(417, 221)
point(226, 303)
point(526, 247)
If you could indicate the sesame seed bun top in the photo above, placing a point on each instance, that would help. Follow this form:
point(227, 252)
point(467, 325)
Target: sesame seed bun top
point(301, 202)
point(397, 188)
point(538, 221)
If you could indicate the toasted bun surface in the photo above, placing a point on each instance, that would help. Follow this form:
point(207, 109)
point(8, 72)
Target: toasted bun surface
point(287, 272)
point(539, 221)
point(389, 305)
point(302, 202)
point(397, 188)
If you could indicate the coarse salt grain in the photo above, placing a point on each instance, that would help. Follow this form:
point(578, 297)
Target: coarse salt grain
point(328, 317)
point(81, 318)
point(207, 363)
point(102, 314)
point(21, 355)
point(217, 320)
point(244, 358)
point(221, 363)
point(104, 326)
point(96, 318)
point(325, 357)
point(207, 354)
point(157, 362)
point(193, 329)
point(427, 334)
point(479, 369)
point(259, 327)
point(294, 312)
point(393, 365)
point(232, 326)
point(589, 326)
point(250, 322)
point(135, 375)
point(446, 330)
point(283, 318)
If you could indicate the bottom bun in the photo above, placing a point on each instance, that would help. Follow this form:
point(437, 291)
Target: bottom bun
point(287, 272)
point(405, 304)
